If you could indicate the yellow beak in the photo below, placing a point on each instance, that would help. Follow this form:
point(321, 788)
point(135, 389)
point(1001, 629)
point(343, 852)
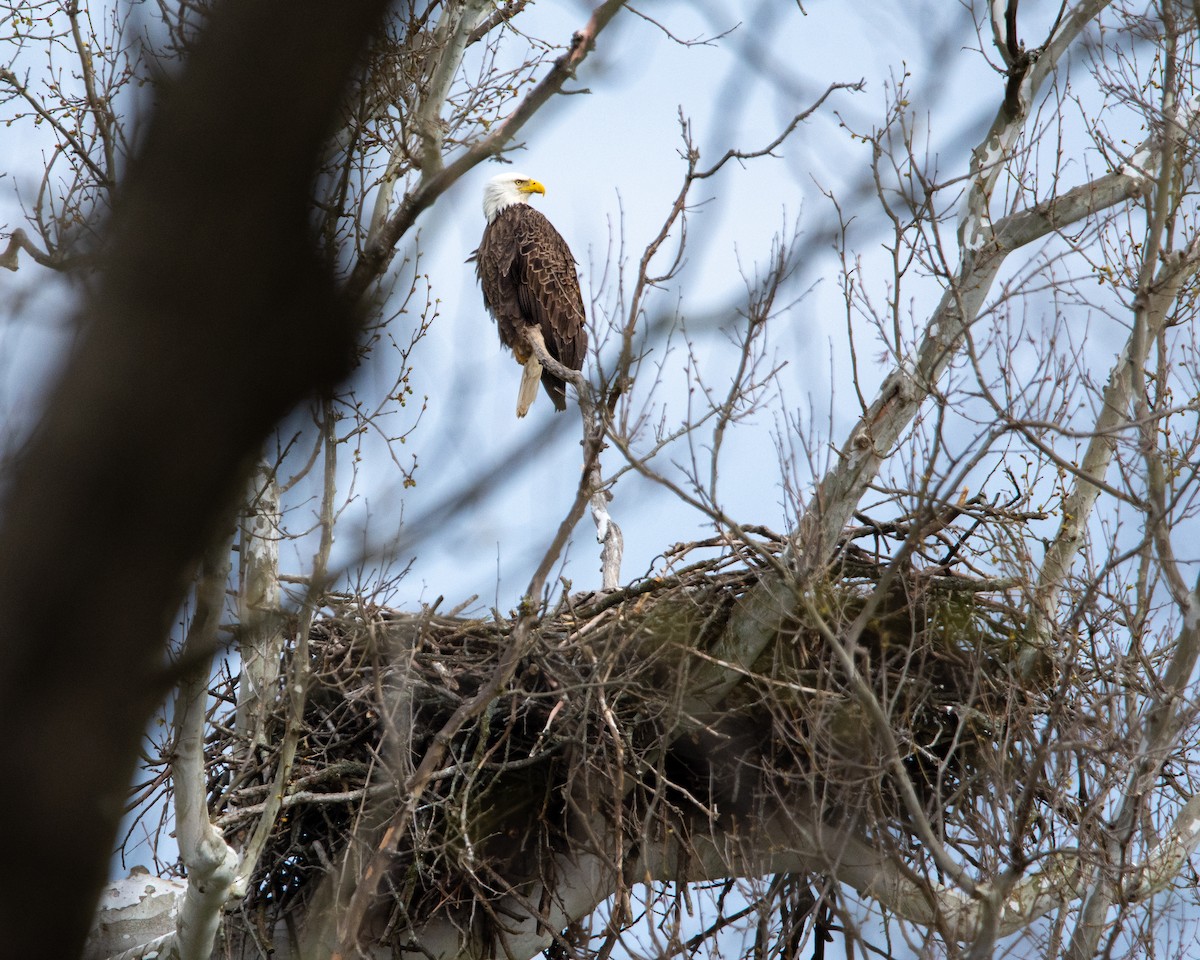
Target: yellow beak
point(533, 186)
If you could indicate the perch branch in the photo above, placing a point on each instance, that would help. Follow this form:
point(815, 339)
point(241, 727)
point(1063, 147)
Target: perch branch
point(608, 534)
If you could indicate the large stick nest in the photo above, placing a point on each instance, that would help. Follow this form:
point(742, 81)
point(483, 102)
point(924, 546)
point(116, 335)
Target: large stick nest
point(591, 718)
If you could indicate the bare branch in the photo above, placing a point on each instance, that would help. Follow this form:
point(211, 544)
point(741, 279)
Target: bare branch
point(19, 241)
point(297, 681)
point(907, 387)
point(211, 863)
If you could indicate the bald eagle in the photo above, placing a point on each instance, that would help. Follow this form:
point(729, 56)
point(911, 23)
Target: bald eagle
point(528, 279)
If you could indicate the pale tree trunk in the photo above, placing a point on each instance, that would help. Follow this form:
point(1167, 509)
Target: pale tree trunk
point(260, 634)
point(212, 865)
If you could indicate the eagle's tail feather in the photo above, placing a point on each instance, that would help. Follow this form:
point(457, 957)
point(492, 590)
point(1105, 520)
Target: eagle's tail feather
point(530, 378)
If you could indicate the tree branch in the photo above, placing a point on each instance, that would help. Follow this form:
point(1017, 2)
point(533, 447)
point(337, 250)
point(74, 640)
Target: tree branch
point(608, 534)
point(19, 241)
point(211, 863)
point(297, 681)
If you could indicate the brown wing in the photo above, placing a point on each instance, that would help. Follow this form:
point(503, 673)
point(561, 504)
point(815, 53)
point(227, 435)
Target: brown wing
point(528, 276)
point(548, 287)
point(494, 266)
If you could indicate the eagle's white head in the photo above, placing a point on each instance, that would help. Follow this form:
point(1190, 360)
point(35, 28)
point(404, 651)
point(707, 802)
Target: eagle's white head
point(506, 189)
